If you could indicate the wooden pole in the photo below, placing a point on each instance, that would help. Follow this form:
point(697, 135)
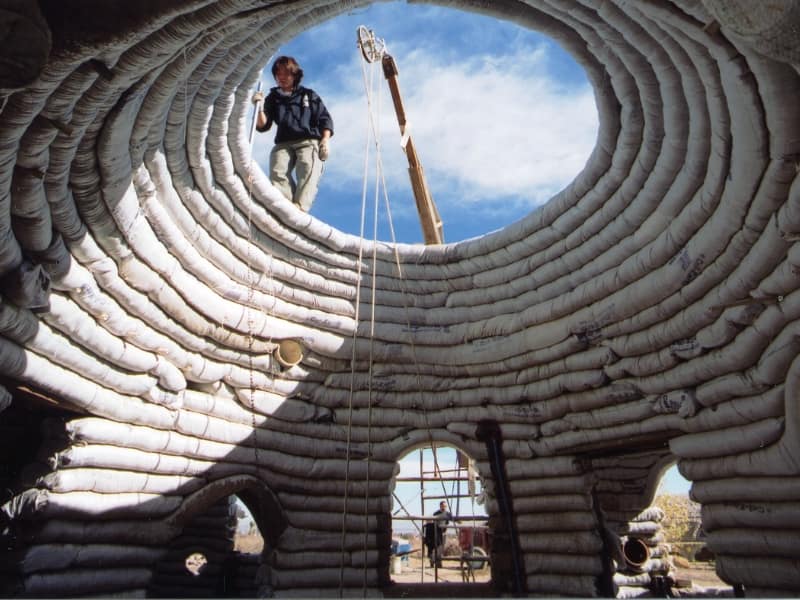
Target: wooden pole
point(430, 220)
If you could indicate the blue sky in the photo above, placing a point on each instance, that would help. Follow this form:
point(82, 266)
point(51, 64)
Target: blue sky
point(502, 118)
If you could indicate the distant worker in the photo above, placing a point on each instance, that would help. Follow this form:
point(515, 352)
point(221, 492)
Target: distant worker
point(435, 534)
point(302, 138)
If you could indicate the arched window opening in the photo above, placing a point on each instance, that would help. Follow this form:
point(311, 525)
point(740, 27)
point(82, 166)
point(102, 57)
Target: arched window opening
point(675, 518)
point(217, 555)
point(653, 543)
point(247, 538)
point(440, 530)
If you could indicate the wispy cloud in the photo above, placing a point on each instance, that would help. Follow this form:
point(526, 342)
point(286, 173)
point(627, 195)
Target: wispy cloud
point(488, 128)
point(497, 124)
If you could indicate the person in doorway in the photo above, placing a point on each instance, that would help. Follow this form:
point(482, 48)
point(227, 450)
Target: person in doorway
point(442, 518)
point(304, 128)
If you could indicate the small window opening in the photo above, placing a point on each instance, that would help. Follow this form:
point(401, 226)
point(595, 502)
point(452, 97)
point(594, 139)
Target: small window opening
point(195, 563)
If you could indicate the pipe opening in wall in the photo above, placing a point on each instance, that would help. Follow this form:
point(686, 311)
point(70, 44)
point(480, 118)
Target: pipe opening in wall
point(503, 118)
point(289, 353)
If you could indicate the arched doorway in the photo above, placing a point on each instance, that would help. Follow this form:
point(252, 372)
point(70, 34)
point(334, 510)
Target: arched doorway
point(204, 561)
point(217, 555)
point(440, 526)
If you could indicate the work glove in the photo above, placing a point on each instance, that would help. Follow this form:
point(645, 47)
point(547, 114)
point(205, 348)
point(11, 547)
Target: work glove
point(324, 150)
point(258, 97)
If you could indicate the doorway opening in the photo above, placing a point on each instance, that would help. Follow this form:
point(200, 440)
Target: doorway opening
point(440, 531)
point(216, 556)
point(693, 563)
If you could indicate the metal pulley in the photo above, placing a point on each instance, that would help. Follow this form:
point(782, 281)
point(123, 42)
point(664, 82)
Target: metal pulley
point(372, 48)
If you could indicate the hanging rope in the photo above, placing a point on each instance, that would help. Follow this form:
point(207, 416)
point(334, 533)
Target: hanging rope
point(369, 82)
point(372, 50)
point(373, 137)
point(250, 281)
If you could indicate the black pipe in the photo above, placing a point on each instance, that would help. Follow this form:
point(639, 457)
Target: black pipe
point(489, 433)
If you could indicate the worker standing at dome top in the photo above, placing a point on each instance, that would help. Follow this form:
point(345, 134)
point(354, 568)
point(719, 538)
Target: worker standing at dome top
point(304, 128)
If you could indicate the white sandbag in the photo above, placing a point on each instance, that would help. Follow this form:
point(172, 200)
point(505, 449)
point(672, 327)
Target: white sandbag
point(563, 585)
point(726, 442)
point(300, 540)
point(127, 459)
point(747, 489)
point(566, 564)
point(330, 577)
point(638, 580)
point(312, 560)
point(757, 514)
point(108, 481)
point(334, 503)
point(773, 573)
point(754, 541)
point(577, 484)
point(330, 521)
point(641, 528)
point(55, 557)
point(43, 504)
point(553, 503)
point(655, 514)
point(79, 582)
point(563, 542)
point(563, 521)
point(740, 411)
point(135, 532)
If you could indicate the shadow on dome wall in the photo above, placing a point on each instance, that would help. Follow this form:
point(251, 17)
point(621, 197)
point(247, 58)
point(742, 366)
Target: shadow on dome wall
point(503, 118)
point(651, 339)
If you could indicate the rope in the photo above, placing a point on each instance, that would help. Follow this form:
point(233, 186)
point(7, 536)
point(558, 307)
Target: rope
point(372, 333)
point(380, 185)
point(368, 82)
point(251, 283)
point(404, 294)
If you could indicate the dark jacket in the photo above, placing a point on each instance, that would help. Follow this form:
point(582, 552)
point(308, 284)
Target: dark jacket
point(299, 116)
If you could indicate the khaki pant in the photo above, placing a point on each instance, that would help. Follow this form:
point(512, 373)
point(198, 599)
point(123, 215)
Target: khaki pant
point(302, 157)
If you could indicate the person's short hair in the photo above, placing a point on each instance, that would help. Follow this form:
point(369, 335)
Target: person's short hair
point(290, 64)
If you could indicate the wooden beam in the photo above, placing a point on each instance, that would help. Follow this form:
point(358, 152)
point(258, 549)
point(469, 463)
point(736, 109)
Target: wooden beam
point(431, 221)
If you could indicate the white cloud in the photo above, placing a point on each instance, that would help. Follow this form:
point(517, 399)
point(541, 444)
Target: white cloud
point(488, 129)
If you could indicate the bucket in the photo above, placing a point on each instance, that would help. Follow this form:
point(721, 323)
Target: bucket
point(289, 353)
point(397, 565)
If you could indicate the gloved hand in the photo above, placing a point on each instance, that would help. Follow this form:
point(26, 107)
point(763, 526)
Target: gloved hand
point(258, 97)
point(324, 150)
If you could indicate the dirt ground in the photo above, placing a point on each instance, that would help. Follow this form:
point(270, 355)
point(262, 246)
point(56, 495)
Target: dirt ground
point(248, 544)
point(413, 570)
point(700, 574)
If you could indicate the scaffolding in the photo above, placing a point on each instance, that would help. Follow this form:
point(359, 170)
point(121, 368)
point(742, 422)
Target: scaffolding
point(456, 484)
